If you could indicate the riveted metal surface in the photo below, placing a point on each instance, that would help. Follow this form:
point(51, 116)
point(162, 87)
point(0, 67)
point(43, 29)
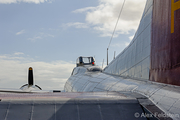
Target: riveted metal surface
point(153, 49)
point(134, 60)
point(166, 97)
point(68, 106)
point(165, 48)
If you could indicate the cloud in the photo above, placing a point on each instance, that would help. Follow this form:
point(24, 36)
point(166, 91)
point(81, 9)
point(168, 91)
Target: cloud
point(83, 9)
point(20, 32)
point(39, 36)
point(128, 42)
point(121, 45)
point(103, 17)
point(49, 76)
point(18, 53)
point(76, 25)
point(26, 1)
point(131, 37)
point(35, 38)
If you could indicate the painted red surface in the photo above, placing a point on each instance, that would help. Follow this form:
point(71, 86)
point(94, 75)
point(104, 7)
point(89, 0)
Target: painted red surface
point(165, 46)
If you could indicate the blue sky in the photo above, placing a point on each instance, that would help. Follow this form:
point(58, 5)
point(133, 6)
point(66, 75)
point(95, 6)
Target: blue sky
point(50, 34)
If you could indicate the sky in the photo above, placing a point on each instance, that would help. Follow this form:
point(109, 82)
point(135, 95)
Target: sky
point(49, 35)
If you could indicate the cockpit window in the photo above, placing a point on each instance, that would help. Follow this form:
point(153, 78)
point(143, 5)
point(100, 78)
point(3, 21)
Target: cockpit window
point(85, 61)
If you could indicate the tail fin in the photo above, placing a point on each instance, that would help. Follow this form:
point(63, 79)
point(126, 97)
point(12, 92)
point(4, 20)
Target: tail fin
point(154, 53)
point(165, 42)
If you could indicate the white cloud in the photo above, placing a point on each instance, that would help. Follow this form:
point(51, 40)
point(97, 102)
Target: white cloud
point(103, 17)
point(128, 42)
point(83, 9)
point(27, 1)
point(35, 38)
point(77, 25)
point(20, 32)
point(131, 37)
point(14, 72)
point(18, 53)
point(40, 35)
point(121, 45)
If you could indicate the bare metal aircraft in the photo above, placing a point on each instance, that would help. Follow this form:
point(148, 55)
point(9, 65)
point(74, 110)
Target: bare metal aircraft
point(142, 82)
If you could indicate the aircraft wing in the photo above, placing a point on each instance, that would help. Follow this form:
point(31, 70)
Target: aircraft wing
point(73, 106)
point(149, 65)
point(141, 83)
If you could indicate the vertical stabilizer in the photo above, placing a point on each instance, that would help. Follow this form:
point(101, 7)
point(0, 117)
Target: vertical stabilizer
point(165, 42)
point(154, 53)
